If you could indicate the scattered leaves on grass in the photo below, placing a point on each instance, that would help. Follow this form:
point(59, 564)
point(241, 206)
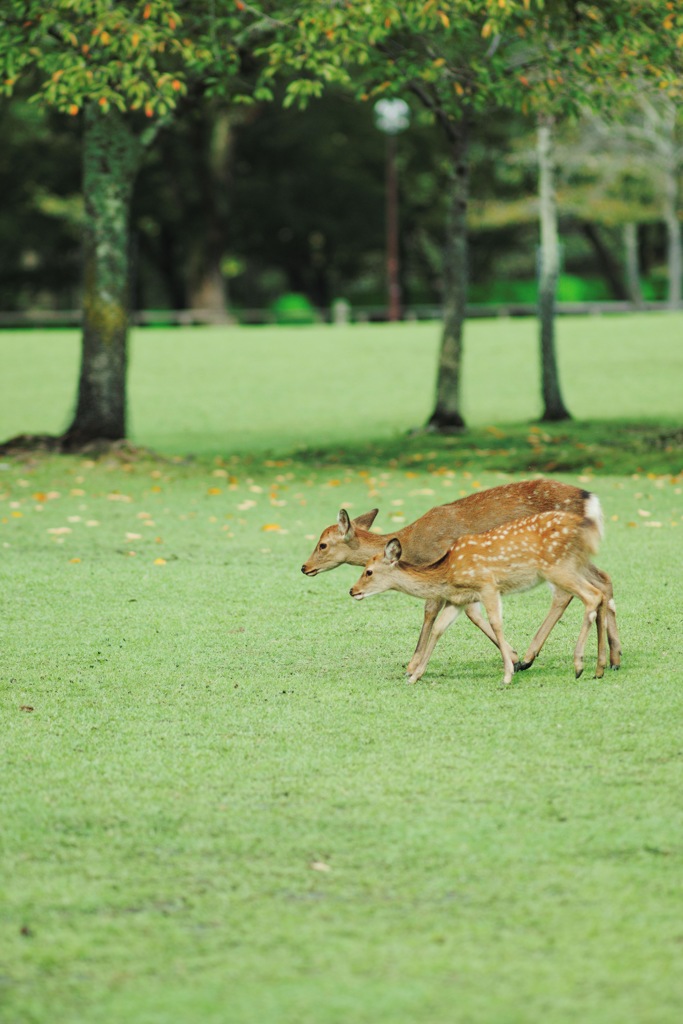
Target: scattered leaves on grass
point(26, 707)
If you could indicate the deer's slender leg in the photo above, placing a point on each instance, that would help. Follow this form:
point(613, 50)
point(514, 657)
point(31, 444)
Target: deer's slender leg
point(566, 578)
point(603, 582)
point(601, 623)
point(445, 618)
point(432, 609)
point(474, 615)
point(559, 604)
point(494, 610)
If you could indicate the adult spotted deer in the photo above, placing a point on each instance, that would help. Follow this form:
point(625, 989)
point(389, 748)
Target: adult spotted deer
point(551, 546)
point(350, 542)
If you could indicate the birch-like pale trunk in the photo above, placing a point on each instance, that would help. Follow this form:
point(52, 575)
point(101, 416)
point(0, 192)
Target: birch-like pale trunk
point(632, 264)
point(659, 131)
point(674, 229)
point(554, 408)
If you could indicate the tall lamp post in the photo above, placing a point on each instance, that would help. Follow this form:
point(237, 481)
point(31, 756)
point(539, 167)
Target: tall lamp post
point(392, 117)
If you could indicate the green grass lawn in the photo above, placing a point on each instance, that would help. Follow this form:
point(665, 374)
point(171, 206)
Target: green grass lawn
point(222, 802)
point(213, 391)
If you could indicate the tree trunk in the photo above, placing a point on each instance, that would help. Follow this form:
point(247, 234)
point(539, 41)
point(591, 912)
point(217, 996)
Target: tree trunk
point(632, 262)
point(674, 232)
point(111, 155)
point(393, 262)
point(554, 408)
point(446, 416)
point(609, 266)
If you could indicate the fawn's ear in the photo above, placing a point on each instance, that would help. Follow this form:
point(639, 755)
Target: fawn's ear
point(392, 552)
point(345, 525)
point(367, 519)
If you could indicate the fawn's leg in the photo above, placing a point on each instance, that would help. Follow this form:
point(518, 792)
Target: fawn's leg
point(445, 618)
point(603, 582)
point(570, 577)
point(432, 609)
point(474, 615)
point(592, 600)
point(494, 610)
point(601, 623)
point(559, 604)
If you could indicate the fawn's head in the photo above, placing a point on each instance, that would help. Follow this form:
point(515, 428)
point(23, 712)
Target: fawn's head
point(380, 572)
point(337, 542)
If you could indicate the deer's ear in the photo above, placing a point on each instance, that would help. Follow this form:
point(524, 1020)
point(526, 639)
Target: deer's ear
point(392, 552)
point(345, 525)
point(367, 519)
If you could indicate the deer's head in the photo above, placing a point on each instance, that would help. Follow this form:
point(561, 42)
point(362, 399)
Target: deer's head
point(337, 543)
point(380, 572)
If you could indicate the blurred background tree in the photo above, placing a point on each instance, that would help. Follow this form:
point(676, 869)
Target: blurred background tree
point(268, 202)
point(238, 204)
point(462, 62)
point(122, 69)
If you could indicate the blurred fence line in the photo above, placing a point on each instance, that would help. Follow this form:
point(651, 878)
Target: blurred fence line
point(357, 314)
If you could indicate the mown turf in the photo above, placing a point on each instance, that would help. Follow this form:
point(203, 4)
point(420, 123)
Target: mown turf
point(256, 391)
point(222, 802)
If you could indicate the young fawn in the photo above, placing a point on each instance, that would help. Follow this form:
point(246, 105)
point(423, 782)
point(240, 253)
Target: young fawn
point(350, 542)
point(551, 546)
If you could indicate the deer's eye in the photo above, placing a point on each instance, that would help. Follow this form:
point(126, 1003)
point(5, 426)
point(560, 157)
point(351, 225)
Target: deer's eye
point(368, 572)
point(322, 546)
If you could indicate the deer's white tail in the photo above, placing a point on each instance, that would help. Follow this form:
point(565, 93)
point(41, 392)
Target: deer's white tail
point(593, 511)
